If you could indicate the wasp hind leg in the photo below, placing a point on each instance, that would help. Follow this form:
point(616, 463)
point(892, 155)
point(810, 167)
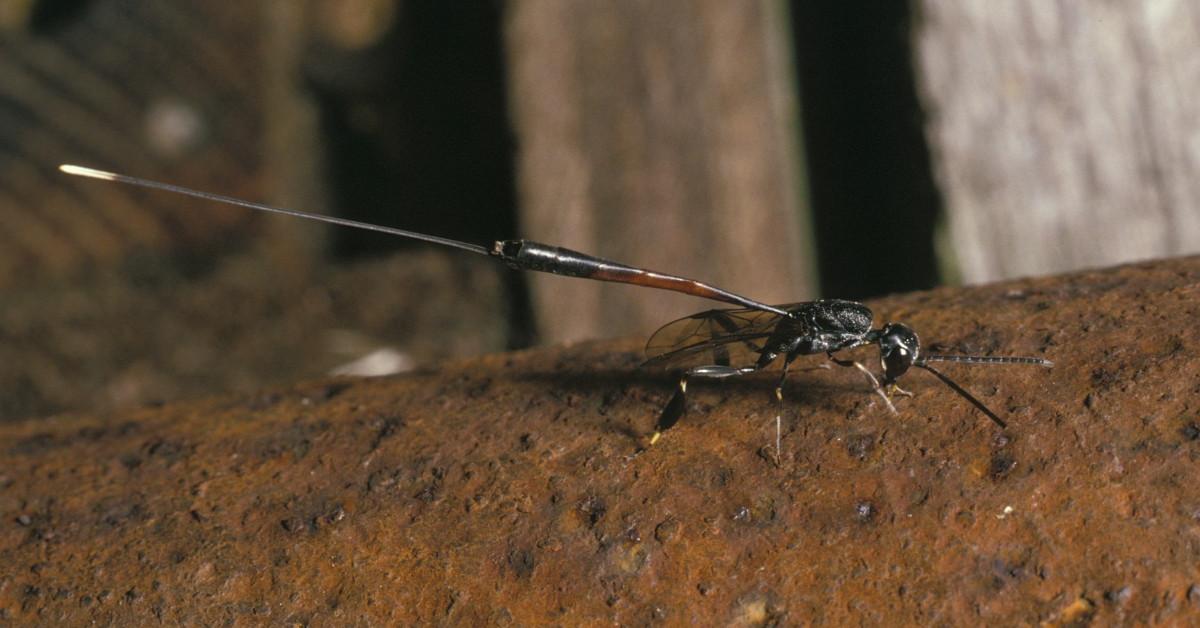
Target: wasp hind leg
point(677, 406)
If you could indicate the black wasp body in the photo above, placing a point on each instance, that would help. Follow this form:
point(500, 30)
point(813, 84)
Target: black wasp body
point(711, 344)
point(725, 343)
point(729, 342)
point(819, 327)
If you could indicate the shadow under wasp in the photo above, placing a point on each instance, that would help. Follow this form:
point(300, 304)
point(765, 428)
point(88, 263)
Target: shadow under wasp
point(713, 344)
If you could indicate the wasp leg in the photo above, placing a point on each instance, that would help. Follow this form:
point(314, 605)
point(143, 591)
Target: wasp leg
point(787, 361)
point(676, 407)
point(895, 389)
point(672, 411)
point(871, 377)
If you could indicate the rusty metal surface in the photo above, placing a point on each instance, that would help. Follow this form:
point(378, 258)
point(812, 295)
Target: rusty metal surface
point(506, 489)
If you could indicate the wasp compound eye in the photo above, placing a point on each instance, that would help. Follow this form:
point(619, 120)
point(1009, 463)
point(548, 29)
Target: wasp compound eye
point(898, 349)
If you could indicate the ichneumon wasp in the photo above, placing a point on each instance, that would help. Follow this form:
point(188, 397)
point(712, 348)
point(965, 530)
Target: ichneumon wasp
point(716, 343)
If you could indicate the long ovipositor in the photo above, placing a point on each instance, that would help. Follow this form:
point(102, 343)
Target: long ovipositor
point(518, 254)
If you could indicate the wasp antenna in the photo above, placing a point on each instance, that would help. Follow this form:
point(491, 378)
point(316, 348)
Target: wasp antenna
point(985, 359)
point(965, 395)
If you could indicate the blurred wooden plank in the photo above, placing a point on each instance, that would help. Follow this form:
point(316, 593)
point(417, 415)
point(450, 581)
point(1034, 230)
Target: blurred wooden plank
point(118, 296)
point(1066, 135)
point(660, 137)
point(111, 342)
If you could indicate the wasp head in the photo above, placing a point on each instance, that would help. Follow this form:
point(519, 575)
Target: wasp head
point(898, 350)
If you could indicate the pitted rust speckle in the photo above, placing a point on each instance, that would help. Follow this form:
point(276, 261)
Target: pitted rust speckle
point(510, 488)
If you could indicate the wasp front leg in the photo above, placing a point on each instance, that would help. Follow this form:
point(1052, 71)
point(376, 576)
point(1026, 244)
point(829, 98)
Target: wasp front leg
point(883, 394)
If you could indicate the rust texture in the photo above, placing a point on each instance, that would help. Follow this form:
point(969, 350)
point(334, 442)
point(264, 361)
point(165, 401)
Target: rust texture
point(508, 489)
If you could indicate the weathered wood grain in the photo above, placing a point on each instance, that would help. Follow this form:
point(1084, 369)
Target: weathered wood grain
point(659, 137)
point(1065, 135)
point(140, 87)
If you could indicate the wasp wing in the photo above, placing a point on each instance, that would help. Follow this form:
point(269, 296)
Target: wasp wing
point(726, 337)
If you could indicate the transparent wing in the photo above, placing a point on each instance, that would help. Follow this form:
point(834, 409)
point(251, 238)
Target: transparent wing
point(725, 337)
